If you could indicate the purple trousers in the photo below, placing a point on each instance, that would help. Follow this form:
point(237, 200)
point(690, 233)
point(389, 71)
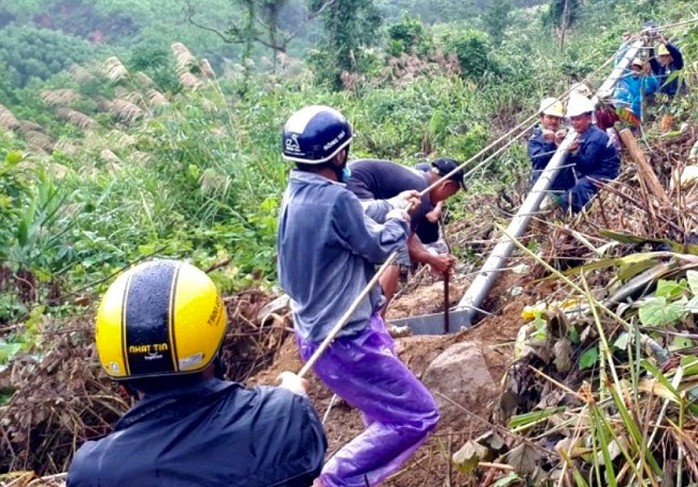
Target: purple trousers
point(399, 412)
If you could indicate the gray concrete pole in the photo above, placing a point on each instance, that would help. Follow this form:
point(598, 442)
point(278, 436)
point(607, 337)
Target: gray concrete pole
point(606, 89)
point(471, 302)
point(476, 293)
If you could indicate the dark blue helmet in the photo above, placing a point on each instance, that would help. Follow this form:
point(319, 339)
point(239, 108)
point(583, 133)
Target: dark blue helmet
point(315, 134)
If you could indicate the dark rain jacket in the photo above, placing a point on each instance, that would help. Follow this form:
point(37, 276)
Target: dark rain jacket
point(663, 72)
point(214, 433)
point(595, 159)
point(540, 151)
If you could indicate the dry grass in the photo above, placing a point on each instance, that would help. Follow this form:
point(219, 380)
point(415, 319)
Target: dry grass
point(114, 69)
point(120, 139)
point(189, 81)
point(108, 156)
point(125, 110)
point(60, 400)
point(184, 64)
point(64, 399)
point(80, 75)
point(184, 59)
point(38, 140)
point(28, 126)
point(140, 157)
point(143, 80)
point(207, 70)
point(78, 119)
point(67, 147)
point(156, 99)
point(403, 70)
point(103, 104)
point(7, 119)
point(62, 97)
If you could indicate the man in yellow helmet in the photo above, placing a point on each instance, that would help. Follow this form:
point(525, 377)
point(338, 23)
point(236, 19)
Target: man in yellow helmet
point(159, 330)
point(546, 136)
point(668, 60)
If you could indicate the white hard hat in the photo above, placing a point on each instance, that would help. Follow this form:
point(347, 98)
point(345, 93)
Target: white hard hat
point(581, 89)
point(551, 106)
point(578, 105)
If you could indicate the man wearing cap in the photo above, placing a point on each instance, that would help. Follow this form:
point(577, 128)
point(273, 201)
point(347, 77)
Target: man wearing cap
point(377, 182)
point(628, 96)
point(546, 136)
point(592, 157)
point(668, 60)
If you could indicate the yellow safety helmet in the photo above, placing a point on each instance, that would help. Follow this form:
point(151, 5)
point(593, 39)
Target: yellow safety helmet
point(551, 106)
point(662, 50)
point(160, 318)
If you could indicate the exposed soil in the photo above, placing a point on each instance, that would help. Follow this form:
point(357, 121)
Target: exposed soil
point(494, 335)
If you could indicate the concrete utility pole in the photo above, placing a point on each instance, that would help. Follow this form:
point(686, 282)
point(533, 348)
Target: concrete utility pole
point(606, 89)
point(476, 293)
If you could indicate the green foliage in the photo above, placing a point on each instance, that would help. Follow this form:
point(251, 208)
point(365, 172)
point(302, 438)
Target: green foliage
point(473, 51)
point(497, 18)
point(671, 302)
point(562, 13)
point(409, 36)
point(589, 358)
point(157, 62)
point(14, 190)
point(29, 52)
point(201, 178)
point(349, 25)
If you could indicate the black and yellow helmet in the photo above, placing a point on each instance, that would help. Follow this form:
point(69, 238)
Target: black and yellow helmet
point(160, 318)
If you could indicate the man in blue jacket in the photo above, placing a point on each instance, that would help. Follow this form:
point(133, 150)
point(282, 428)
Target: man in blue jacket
point(328, 249)
point(669, 60)
point(592, 157)
point(546, 136)
point(631, 90)
point(159, 330)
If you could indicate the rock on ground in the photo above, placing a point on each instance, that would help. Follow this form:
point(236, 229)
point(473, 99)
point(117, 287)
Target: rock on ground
point(460, 374)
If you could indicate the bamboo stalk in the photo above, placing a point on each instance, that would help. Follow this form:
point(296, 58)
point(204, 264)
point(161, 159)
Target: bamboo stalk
point(647, 176)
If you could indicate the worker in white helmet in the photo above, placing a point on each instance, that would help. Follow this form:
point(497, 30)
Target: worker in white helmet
point(592, 158)
point(546, 136)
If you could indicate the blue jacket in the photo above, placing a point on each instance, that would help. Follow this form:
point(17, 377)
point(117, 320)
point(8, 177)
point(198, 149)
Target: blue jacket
point(209, 434)
point(596, 158)
point(328, 249)
point(540, 151)
point(663, 72)
point(629, 91)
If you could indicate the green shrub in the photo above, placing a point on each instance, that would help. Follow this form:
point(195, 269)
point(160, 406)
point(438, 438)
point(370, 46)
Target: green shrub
point(409, 36)
point(473, 49)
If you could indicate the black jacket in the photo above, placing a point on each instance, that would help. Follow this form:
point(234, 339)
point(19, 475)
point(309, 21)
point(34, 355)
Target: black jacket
point(212, 434)
point(540, 151)
point(663, 72)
